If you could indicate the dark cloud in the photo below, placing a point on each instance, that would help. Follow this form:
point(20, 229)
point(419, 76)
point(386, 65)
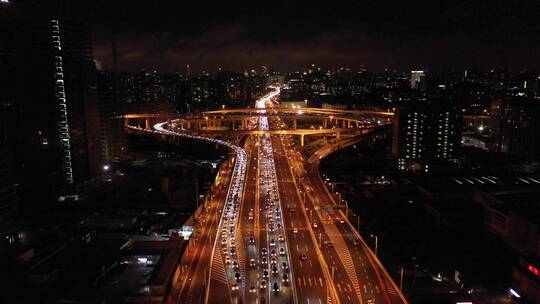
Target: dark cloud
point(287, 35)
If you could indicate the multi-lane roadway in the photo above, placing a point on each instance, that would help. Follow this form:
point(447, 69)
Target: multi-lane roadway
point(279, 236)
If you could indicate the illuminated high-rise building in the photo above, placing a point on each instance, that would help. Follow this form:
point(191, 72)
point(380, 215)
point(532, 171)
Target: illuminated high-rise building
point(424, 134)
point(57, 143)
point(418, 80)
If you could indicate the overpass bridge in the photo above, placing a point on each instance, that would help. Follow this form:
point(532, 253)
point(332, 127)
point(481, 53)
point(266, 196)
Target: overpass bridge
point(298, 122)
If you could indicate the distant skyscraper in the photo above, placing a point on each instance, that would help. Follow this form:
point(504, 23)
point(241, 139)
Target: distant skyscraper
point(115, 56)
point(424, 134)
point(112, 135)
point(520, 129)
point(418, 80)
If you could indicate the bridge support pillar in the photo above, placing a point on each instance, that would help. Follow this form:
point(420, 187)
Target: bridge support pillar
point(294, 123)
point(302, 140)
point(338, 136)
point(233, 127)
point(325, 123)
point(147, 123)
point(344, 123)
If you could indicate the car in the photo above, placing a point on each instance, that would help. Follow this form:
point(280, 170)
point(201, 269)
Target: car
point(342, 221)
point(264, 261)
point(264, 251)
point(223, 241)
point(281, 238)
point(281, 251)
point(272, 242)
point(315, 225)
point(225, 251)
point(251, 240)
point(331, 212)
point(328, 244)
point(238, 276)
point(263, 300)
point(274, 269)
point(252, 262)
point(273, 261)
point(273, 252)
point(227, 260)
point(285, 278)
point(265, 274)
point(234, 286)
point(284, 266)
point(292, 209)
point(295, 230)
point(235, 265)
point(252, 288)
point(232, 251)
point(275, 288)
point(370, 301)
point(356, 242)
point(303, 257)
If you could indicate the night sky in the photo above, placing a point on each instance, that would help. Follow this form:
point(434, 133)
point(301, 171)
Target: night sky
point(238, 35)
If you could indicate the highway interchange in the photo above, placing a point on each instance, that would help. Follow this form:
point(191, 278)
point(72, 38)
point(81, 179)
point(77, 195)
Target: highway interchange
point(276, 234)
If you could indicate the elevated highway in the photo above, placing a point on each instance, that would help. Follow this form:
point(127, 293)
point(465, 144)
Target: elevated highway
point(267, 240)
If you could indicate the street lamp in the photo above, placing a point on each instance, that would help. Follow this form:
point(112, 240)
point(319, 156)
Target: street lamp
point(357, 222)
point(376, 242)
point(339, 196)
